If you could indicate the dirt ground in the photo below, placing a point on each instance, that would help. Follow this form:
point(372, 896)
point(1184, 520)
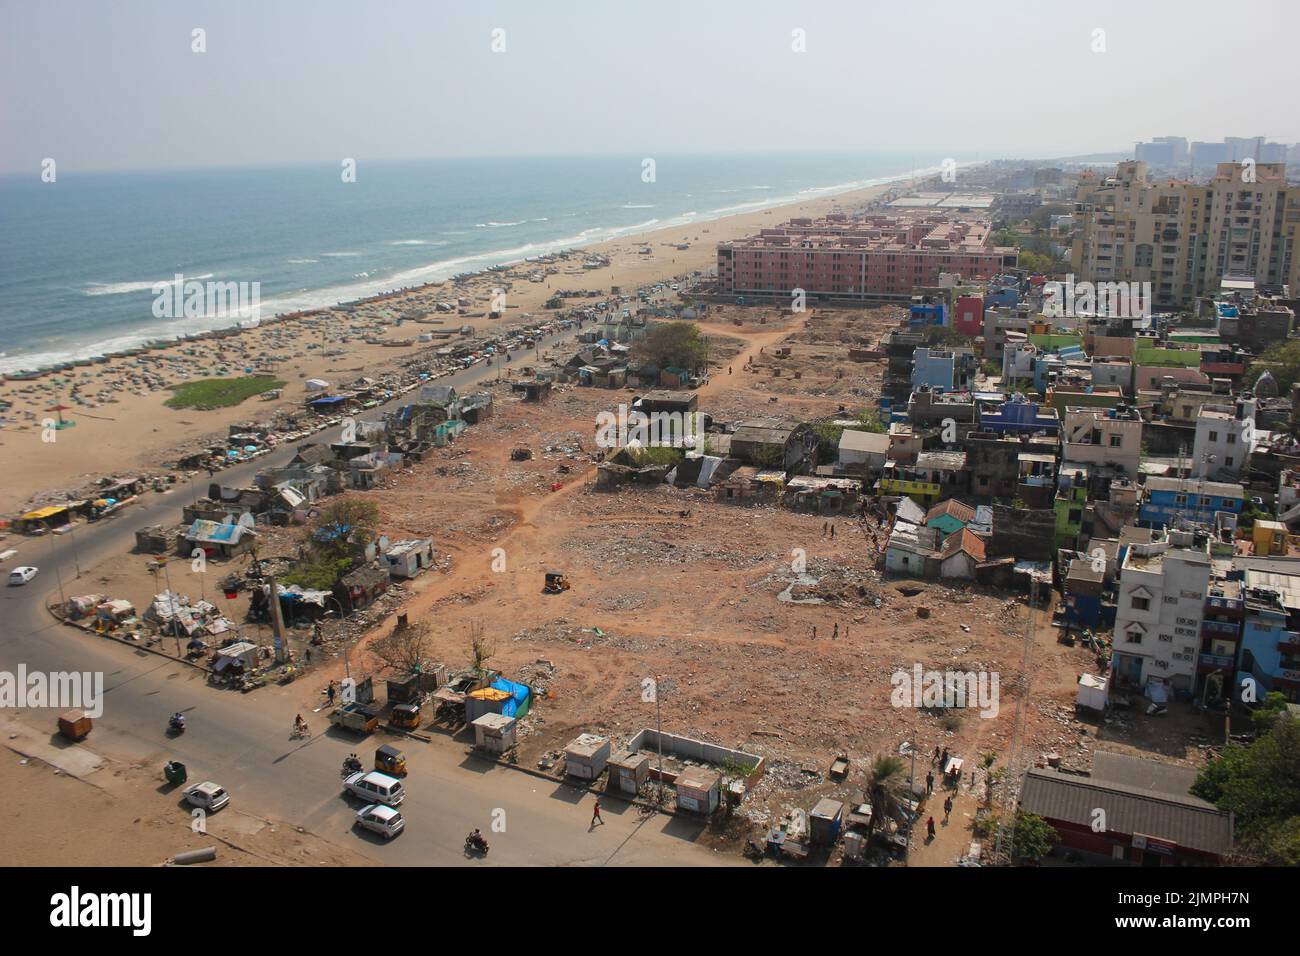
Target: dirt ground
point(130, 817)
point(670, 585)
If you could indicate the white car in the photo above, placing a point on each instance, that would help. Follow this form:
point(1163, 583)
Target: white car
point(21, 575)
point(375, 787)
point(381, 819)
point(207, 796)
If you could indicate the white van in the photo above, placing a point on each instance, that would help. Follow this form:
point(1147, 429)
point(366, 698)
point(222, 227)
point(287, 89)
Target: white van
point(376, 787)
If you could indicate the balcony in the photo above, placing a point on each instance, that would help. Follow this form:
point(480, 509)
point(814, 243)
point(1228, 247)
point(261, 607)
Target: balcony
point(1219, 628)
point(1214, 662)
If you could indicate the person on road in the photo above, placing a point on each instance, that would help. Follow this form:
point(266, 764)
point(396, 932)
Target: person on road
point(330, 692)
point(299, 725)
point(929, 783)
point(929, 828)
point(595, 815)
point(947, 809)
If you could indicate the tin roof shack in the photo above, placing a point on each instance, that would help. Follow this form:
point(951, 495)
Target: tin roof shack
point(824, 496)
point(1151, 817)
point(773, 443)
point(862, 452)
point(748, 485)
point(223, 541)
point(409, 558)
point(533, 391)
point(494, 733)
point(477, 408)
point(628, 772)
point(241, 655)
point(826, 819)
point(698, 790)
point(667, 401)
point(586, 757)
point(360, 588)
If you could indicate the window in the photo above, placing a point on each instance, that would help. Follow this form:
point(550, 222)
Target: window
point(1232, 439)
point(1140, 603)
point(1133, 637)
point(1228, 461)
point(1214, 436)
point(1115, 441)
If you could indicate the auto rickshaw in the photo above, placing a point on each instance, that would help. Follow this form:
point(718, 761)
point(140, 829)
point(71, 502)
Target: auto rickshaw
point(390, 760)
point(406, 716)
point(556, 581)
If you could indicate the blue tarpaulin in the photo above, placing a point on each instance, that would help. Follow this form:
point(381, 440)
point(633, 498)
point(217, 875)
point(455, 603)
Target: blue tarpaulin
point(519, 694)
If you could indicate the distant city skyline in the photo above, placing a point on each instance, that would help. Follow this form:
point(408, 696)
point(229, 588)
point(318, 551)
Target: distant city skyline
point(133, 86)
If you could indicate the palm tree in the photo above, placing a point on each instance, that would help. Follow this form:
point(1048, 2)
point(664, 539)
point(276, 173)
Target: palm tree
point(884, 782)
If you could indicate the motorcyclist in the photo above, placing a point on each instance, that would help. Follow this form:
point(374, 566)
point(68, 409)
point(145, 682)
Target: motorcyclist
point(477, 838)
point(299, 724)
point(178, 719)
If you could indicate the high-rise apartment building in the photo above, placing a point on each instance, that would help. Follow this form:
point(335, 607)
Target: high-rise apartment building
point(1185, 238)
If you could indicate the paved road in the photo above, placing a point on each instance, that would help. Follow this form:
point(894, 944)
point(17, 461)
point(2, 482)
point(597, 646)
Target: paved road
point(242, 741)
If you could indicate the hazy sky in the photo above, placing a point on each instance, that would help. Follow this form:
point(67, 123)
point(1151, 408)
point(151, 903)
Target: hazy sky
point(98, 84)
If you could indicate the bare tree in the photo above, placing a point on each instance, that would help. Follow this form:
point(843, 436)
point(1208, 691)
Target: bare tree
point(480, 647)
point(404, 648)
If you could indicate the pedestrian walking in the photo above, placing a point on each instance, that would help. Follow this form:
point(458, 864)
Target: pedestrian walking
point(814, 632)
point(947, 809)
point(330, 691)
point(943, 761)
point(929, 783)
point(595, 815)
point(832, 532)
point(929, 828)
point(836, 632)
point(935, 758)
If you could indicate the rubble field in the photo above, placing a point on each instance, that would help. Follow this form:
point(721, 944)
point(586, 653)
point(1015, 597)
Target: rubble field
point(702, 596)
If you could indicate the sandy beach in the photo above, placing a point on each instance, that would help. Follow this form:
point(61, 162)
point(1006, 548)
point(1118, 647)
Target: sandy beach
point(123, 426)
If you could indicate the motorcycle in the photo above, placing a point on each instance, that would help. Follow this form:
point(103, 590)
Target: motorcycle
point(476, 844)
point(351, 765)
point(176, 724)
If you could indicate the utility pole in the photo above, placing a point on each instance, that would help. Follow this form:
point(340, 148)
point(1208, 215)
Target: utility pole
point(171, 601)
point(76, 557)
point(58, 574)
point(277, 621)
point(659, 737)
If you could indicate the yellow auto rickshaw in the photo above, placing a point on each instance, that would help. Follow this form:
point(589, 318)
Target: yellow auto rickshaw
point(390, 760)
point(406, 716)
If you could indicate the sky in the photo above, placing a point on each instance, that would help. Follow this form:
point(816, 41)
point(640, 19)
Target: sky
point(116, 84)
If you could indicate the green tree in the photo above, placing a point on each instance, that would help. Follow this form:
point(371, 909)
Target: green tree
point(673, 343)
point(1283, 360)
point(885, 783)
point(828, 439)
point(869, 421)
point(344, 528)
point(1029, 837)
point(1259, 784)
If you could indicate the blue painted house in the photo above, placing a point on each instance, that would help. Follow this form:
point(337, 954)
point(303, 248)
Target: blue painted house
point(1019, 416)
point(1196, 501)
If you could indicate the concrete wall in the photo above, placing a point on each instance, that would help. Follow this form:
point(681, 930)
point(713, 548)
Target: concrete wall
point(647, 740)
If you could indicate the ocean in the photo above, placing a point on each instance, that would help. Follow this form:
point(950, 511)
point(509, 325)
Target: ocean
point(79, 257)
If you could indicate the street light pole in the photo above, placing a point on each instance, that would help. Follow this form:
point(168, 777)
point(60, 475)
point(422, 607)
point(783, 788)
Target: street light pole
point(63, 600)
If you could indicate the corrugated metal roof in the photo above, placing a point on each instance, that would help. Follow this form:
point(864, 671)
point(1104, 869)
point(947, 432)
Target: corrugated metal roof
point(1187, 821)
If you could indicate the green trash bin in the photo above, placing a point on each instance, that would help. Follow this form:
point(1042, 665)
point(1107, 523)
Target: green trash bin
point(175, 772)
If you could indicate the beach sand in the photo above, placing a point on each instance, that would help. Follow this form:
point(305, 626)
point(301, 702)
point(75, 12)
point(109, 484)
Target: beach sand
point(124, 427)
